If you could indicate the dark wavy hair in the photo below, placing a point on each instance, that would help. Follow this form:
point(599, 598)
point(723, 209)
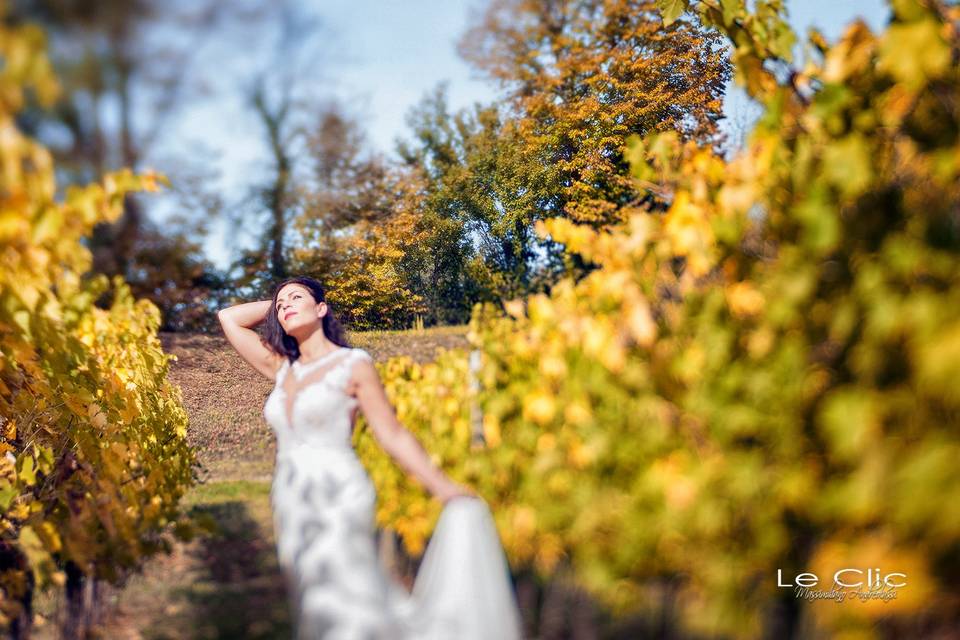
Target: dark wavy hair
point(285, 344)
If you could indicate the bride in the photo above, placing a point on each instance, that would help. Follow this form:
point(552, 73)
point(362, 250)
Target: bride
point(323, 500)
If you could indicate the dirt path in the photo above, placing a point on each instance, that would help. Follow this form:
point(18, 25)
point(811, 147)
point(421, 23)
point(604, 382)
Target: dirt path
point(226, 583)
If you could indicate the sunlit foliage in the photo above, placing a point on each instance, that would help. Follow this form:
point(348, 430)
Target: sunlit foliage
point(761, 377)
point(93, 454)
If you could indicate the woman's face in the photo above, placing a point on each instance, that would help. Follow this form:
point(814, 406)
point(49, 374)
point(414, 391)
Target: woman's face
point(296, 308)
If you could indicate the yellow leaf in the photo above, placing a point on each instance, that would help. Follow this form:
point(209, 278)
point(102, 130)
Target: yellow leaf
point(515, 308)
point(744, 299)
point(539, 407)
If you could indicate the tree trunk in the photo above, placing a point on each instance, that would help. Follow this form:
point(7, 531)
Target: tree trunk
point(553, 611)
point(73, 625)
point(278, 203)
point(277, 196)
point(528, 599)
point(583, 618)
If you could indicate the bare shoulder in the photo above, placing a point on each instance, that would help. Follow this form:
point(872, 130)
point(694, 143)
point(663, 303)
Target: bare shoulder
point(362, 355)
point(362, 369)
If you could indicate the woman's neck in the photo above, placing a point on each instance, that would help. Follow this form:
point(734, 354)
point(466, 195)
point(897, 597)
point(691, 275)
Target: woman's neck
point(315, 346)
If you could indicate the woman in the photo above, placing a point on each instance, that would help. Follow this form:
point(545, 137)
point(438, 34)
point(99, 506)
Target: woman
point(323, 501)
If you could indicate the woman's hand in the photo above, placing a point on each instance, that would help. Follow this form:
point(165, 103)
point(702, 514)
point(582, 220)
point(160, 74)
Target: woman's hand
point(453, 490)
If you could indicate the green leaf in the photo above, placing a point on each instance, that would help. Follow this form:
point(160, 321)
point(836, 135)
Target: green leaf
point(671, 10)
point(938, 364)
point(732, 9)
point(913, 53)
point(820, 221)
point(848, 419)
point(45, 458)
point(7, 493)
point(27, 472)
point(847, 164)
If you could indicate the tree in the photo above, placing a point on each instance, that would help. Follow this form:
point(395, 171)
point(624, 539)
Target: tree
point(86, 408)
point(171, 271)
point(123, 81)
point(477, 194)
point(282, 105)
point(359, 230)
point(108, 57)
point(583, 75)
point(794, 406)
point(277, 194)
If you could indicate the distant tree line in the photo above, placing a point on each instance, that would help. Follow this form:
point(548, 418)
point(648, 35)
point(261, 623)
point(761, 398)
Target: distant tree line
point(445, 223)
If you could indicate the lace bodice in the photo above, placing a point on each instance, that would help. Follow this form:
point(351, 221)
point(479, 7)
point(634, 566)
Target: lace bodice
point(312, 405)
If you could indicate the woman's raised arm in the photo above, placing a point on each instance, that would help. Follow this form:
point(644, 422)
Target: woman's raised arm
point(238, 322)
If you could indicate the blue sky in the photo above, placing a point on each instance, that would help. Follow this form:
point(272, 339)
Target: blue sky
point(402, 50)
point(382, 57)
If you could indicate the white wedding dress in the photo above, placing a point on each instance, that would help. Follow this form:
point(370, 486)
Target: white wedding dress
point(323, 508)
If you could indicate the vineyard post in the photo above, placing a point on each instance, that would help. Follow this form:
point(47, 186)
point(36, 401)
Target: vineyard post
point(476, 414)
point(72, 621)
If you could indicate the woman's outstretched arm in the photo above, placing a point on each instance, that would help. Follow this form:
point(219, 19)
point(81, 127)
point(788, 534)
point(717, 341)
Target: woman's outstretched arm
point(238, 322)
point(395, 439)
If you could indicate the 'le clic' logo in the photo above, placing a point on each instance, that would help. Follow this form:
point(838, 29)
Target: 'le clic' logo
point(872, 584)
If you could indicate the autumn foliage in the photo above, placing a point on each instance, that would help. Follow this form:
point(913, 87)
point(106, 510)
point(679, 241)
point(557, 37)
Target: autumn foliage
point(581, 77)
point(452, 224)
point(93, 452)
point(762, 376)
